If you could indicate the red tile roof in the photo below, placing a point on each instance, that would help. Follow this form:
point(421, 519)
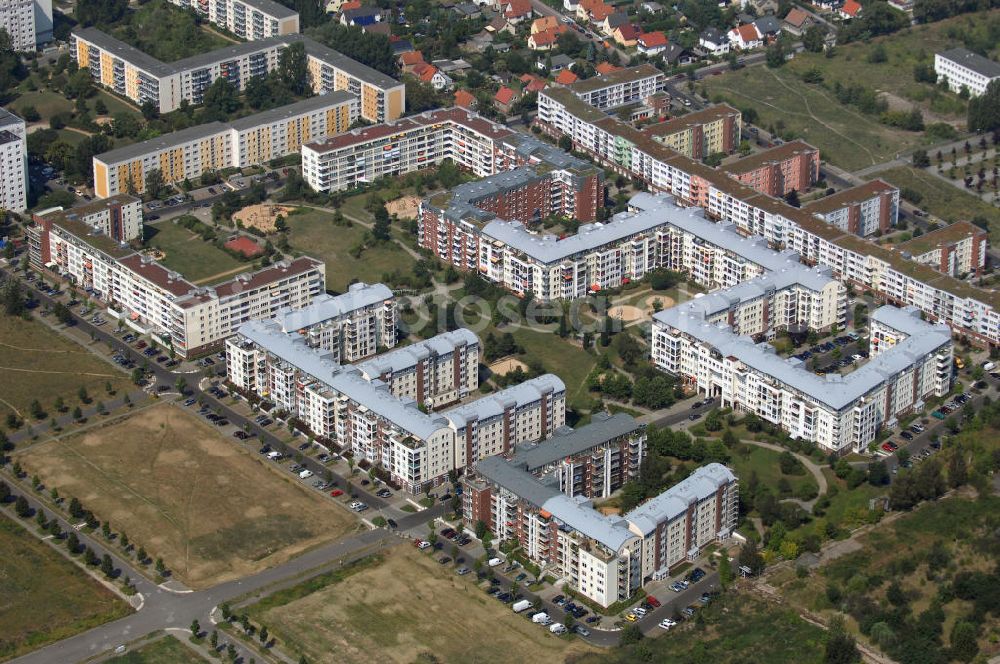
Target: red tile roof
point(851, 7)
point(425, 72)
point(627, 32)
point(350, 4)
point(464, 99)
point(796, 17)
point(606, 68)
point(535, 85)
point(747, 32)
point(411, 58)
point(504, 95)
point(566, 77)
point(518, 8)
point(544, 23)
point(653, 39)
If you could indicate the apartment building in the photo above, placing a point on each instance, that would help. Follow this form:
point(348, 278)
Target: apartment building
point(434, 372)
point(358, 411)
point(494, 424)
point(961, 68)
point(147, 297)
point(13, 163)
point(840, 413)
point(957, 250)
point(593, 461)
point(864, 210)
point(139, 77)
point(251, 20)
point(28, 23)
point(350, 326)
point(118, 218)
point(778, 171)
point(605, 558)
point(620, 87)
point(546, 180)
point(712, 130)
point(971, 312)
point(250, 141)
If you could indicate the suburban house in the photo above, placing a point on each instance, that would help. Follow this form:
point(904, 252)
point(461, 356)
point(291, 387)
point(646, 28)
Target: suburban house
point(745, 37)
point(504, 99)
point(361, 16)
point(546, 40)
point(566, 77)
point(532, 83)
point(613, 21)
point(676, 55)
point(427, 73)
point(517, 11)
point(465, 99)
point(652, 43)
point(768, 27)
point(627, 35)
point(408, 61)
point(796, 22)
point(850, 9)
point(544, 23)
point(713, 41)
point(606, 68)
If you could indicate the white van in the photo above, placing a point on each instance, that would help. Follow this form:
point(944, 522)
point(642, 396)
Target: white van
point(305, 474)
point(274, 456)
point(522, 605)
point(541, 618)
point(495, 561)
point(558, 628)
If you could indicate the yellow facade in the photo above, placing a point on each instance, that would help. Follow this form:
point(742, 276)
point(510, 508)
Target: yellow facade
point(101, 184)
point(82, 54)
point(340, 80)
point(107, 70)
point(369, 102)
point(395, 106)
point(131, 82)
point(130, 172)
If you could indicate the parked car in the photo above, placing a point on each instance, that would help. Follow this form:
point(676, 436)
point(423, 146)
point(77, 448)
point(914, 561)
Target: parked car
point(336, 492)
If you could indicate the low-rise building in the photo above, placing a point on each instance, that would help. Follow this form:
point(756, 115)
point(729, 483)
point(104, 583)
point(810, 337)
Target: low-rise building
point(792, 166)
point(957, 250)
point(840, 413)
point(604, 558)
point(129, 72)
point(434, 372)
point(350, 326)
point(745, 37)
point(250, 141)
point(864, 210)
point(961, 68)
point(13, 162)
point(147, 297)
point(714, 41)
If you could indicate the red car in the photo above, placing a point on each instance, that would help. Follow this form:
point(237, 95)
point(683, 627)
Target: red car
point(336, 492)
point(653, 602)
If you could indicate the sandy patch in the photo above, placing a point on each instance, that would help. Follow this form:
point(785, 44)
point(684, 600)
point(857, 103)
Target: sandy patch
point(404, 207)
point(506, 365)
point(262, 216)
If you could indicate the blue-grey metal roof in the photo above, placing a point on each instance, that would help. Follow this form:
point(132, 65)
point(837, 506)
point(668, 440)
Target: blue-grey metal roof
point(602, 428)
point(373, 395)
point(407, 358)
point(493, 405)
point(325, 307)
point(834, 390)
point(702, 483)
point(974, 61)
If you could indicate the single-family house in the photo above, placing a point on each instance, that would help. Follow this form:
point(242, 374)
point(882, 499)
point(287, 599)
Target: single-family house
point(504, 99)
point(745, 37)
point(652, 43)
point(427, 73)
point(465, 99)
point(627, 35)
point(850, 9)
point(407, 61)
point(517, 11)
point(498, 25)
point(467, 10)
point(675, 54)
point(532, 83)
point(796, 22)
point(556, 63)
point(612, 21)
point(377, 29)
point(337, 6)
point(546, 40)
point(544, 23)
point(361, 16)
point(714, 41)
point(452, 66)
point(768, 27)
point(762, 7)
point(652, 7)
point(400, 45)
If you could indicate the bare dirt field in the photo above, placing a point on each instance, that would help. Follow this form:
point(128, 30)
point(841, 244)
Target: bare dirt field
point(212, 511)
point(407, 606)
point(506, 365)
point(404, 207)
point(262, 216)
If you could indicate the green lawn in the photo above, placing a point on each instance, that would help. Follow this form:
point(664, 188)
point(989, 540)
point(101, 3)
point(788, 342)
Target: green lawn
point(38, 363)
point(732, 629)
point(188, 254)
point(764, 463)
point(43, 596)
point(166, 650)
point(313, 233)
point(845, 136)
point(942, 199)
point(571, 363)
point(46, 102)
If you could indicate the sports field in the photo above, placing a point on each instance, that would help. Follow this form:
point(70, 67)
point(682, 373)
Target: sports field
point(212, 511)
point(43, 596)
point(407, 607)
point(38, 363)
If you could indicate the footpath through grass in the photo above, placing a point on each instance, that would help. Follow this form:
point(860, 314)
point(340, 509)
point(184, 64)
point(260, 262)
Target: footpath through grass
point(43, 597)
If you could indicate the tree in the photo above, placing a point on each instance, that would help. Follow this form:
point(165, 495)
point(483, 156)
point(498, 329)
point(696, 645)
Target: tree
point(963, 641)
point(984, 111)
point(214, 638)
point(83, 395)
point(36, 410)
point(725, 570)
point(814, 39)
point(840, 646)
point(920, 159)
point(77, 414)
point(107, 566)
point(141, 555)
point(75, 508)
point(92, 12)
point(293, 70)
point(221, 100)
point(380, 230)
point(12, 297)
point(72, 542)
point(958, 472)
point(155, 183)
point(195, 628)
point(776, 55)
point(750, 557)
point(262, 634)
point(22, 508)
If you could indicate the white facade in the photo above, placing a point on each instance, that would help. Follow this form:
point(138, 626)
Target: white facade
point(620, 87)
point(13, 163)
point(963, 68)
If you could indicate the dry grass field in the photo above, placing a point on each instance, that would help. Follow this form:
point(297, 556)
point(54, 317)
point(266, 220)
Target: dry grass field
point(212, 511)
point(406, 606)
